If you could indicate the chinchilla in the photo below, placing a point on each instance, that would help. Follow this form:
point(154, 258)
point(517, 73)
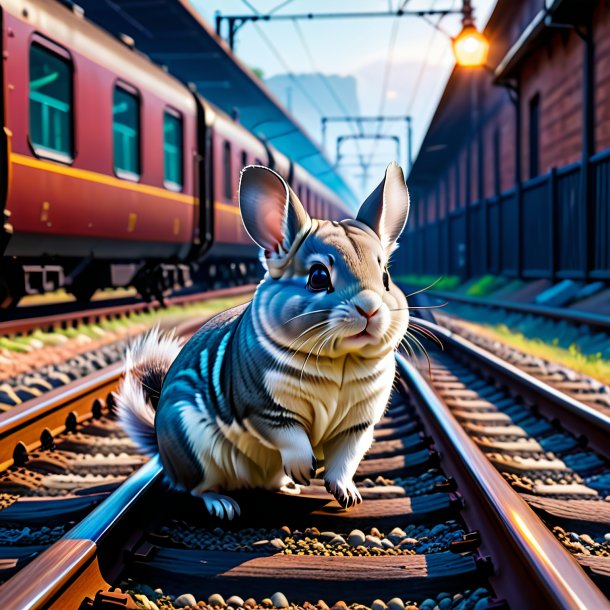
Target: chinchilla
point(265, 391)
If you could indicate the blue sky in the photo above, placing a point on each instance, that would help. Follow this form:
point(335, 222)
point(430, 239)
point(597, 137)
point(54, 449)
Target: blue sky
point(414, 69)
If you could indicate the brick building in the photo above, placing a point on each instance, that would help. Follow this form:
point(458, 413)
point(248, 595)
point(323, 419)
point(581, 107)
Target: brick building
point(513, 176)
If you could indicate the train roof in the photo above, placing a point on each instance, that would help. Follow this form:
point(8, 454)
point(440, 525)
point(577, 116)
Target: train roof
point(172, 33)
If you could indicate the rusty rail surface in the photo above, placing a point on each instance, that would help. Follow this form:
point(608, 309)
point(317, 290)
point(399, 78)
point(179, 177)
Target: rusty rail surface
point(535, 570)
point(35, 423)
point(61, 576)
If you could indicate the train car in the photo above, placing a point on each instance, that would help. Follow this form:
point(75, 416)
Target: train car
point(99, 174)
point(112, 172)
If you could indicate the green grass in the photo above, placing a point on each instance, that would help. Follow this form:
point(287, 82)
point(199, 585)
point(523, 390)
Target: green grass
point(593, 365)
point(485, 285)
point(449, 282)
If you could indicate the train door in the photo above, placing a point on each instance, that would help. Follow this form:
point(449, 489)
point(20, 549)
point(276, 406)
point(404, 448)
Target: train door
point(204, 184)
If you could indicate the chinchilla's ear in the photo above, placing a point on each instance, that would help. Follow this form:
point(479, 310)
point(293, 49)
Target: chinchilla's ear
point(386, 209)
point(272, 214)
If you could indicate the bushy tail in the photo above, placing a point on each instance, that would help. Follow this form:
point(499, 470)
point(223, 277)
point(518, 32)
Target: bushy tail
point(146, 363)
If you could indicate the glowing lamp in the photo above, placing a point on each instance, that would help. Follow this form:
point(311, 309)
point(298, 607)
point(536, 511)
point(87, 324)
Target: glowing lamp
point(470, 48)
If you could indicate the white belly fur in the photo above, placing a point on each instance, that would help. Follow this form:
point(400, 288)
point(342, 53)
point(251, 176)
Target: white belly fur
point(324, 397)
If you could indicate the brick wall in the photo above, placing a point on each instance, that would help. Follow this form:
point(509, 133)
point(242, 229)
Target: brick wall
point(601, 36)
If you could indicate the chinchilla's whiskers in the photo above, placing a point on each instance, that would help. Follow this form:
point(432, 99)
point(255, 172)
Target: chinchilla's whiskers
point(423, 350)
point(320, 338)
point(304, 341)
point(308, 330)
point(329, 334)
point(307, 313)
point(404, 342)
point(434, 283)
point(290, 353)
point(426, 333)
point(420, 307)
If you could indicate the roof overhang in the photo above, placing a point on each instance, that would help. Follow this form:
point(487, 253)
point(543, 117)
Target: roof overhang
point(520, 49)
point(556, 14)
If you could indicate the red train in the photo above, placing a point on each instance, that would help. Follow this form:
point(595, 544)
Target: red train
point(112, 172)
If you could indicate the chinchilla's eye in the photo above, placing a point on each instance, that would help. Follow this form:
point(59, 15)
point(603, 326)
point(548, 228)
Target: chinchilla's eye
point(386, 279)
point(319, 278)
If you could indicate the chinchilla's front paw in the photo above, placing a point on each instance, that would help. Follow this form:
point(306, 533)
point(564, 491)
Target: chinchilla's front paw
point(219, 506)
point(345, 492)
point(300, 466)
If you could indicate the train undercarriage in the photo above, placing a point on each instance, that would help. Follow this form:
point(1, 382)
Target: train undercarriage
point(153, 280)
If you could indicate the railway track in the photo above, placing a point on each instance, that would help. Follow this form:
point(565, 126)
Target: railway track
point(441, 525)
point(47, 318)
point(61, 454)
point(595, 321)
point(581, 387)
point(39, 355)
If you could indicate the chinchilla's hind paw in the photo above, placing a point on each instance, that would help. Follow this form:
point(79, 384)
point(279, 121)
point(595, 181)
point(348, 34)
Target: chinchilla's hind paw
point(346, 493)
point(220, 506)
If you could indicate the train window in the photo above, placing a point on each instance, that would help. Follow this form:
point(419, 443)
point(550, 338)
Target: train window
point(244, 159)
point(126, 133)
point(50, 100)
point(226, 165)
point(172, 151)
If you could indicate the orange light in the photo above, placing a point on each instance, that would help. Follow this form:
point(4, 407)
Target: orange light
point(470, 48)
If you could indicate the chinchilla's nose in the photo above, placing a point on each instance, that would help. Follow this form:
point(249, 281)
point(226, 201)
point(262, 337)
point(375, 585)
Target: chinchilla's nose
point(367, 303)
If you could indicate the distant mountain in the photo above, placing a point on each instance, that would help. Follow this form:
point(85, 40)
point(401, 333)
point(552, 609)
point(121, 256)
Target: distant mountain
point(291, 96)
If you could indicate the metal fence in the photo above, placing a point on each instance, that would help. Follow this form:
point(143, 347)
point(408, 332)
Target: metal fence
point(542, 230)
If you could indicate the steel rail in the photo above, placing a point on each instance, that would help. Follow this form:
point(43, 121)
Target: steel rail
point(23, 326)
point(574, 415)
point(52, 579)
point(545, 575)
point(594, 320)
point(35, 422)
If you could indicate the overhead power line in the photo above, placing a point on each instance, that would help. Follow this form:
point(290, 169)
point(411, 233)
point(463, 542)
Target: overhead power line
point(235, 22)
point(326, 84)
point(384, 86)
point(283, 63)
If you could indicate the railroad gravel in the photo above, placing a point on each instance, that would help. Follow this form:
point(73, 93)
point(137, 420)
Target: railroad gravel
point(311, 541)
point(151, 599)
point(31, 536)
point(583, 544)
point(413, 486)
point(554, 467)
